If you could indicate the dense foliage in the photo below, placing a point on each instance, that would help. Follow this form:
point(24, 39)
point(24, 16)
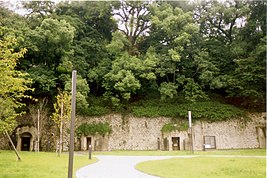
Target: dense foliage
point(13, 83)
point(93, 129)
point(127, 51)
point(210, 110)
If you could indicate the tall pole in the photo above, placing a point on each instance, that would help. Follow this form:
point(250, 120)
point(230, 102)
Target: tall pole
point(38, 130)
point(191, 131)
point(73, 107)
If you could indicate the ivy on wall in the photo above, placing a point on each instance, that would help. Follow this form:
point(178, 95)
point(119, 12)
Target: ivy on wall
point(170, 127)
point(210, 111)
point(93, 129)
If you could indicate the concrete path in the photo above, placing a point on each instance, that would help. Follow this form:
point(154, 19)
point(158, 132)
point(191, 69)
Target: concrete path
point(124, 166)
point(118, 167)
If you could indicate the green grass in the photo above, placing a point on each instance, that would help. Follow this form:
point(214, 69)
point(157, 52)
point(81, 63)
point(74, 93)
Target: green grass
point(41, 165)
point(201, 166)
point(49, 165)
point(206, 167)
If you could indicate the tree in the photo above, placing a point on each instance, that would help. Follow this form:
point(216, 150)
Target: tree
point(51, 42)
point(134, 22)
point(61, 115)
point(248, 81)
point(94, 25)
point(49, 52)
point(233, 46)
point(81, 94)
point(221, 20)
point(13, 84)
point(175, 36)
point(39, 112)
point(39, 8)
point(127, 72)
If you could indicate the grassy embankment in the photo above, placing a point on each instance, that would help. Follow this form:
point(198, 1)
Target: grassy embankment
point(41, 165)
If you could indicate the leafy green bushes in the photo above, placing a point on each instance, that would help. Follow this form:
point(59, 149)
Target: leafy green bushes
point(93, 129)
point(210, 110)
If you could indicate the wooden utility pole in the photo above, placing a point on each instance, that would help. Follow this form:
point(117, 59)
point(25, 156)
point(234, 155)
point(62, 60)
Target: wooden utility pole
point(73, 113)
point(38, 130)
point(191, 132)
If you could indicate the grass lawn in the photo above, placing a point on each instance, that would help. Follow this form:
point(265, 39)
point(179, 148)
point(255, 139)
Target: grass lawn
point(38, 165)
point(49, 165)
point(204, 166)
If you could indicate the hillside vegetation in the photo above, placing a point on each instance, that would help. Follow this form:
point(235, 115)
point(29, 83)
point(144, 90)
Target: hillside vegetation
point(144, 58)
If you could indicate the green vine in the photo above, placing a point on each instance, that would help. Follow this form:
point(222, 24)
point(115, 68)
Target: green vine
point(210, 111)
point(170, 127)
point(93, 129)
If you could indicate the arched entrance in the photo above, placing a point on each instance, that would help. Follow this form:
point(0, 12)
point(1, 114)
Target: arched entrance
point(26, 141)
point(26, 136)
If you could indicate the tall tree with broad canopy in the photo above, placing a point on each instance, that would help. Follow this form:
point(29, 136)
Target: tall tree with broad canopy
point(50, 54)
point(233, 40)
point(174, 35)
point(134, 22)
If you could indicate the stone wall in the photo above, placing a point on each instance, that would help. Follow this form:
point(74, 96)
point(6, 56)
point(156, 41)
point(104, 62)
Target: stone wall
point(32, 131)
point(4, 143)
point(130, 133)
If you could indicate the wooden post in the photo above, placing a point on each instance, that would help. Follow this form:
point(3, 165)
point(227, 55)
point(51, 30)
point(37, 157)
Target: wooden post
point(191, 131)
point(38, 130)
point(73, 113)
point(90, 151)
point(13, 145)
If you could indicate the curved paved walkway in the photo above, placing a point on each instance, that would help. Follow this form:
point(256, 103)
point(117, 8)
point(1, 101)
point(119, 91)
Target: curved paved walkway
point(124, 166)
point(118, 167)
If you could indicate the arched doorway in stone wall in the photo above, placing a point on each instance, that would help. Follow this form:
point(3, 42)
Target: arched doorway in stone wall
point(25, 141)
point(26, 137)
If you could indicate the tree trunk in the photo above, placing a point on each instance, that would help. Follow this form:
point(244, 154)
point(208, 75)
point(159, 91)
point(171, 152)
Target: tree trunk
point(60, 130)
